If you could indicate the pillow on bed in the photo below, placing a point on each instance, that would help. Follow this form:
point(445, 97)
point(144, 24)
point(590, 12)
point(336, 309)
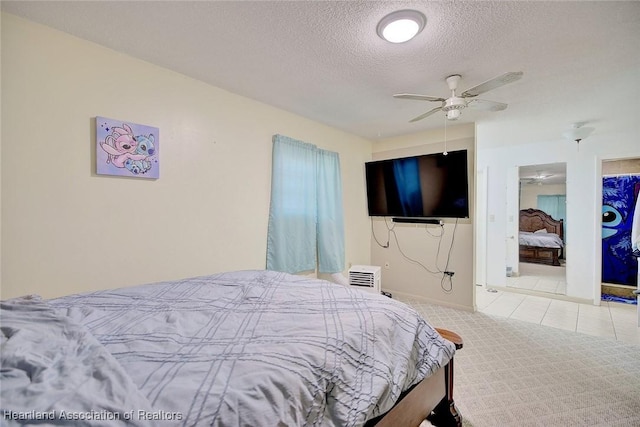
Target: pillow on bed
point(542, 230)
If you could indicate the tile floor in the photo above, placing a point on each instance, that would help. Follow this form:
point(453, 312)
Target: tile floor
point(614, 320)
point(540, 278)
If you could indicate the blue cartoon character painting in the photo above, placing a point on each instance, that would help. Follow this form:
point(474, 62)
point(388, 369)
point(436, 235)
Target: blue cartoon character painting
point(126, 149)
point(145, 148)
point(619, 195)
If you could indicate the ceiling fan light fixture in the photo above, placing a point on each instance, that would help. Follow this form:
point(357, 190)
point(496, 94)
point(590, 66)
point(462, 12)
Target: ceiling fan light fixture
point(401, 26)
point(453, 107)
point(453, 114)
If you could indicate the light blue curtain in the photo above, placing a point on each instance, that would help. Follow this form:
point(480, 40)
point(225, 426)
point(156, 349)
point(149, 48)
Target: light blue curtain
point(556, 206)
point(306, 226)
point(291, 238)
point(330, 214)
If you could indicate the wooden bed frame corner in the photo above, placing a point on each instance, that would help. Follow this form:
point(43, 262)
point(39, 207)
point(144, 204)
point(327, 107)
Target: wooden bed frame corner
point(431, 399)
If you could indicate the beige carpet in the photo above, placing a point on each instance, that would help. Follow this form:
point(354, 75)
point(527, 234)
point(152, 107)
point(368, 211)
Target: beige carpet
point(513, 373)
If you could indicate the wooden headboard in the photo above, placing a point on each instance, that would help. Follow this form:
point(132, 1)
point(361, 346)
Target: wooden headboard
point(535, 219)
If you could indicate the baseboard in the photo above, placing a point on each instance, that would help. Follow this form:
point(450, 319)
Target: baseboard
point(616, 285)
point(430, 300)
point(543, 294)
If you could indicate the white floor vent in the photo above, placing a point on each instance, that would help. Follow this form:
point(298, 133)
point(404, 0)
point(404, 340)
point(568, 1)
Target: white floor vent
point(366, 277)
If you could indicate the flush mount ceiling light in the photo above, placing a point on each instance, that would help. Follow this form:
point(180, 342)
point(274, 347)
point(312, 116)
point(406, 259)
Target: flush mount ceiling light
point(401, 26)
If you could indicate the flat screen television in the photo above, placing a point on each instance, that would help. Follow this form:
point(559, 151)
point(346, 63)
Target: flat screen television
point(425, 186)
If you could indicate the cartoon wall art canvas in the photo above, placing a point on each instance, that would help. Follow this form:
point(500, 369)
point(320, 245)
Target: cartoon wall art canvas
point(127, 149)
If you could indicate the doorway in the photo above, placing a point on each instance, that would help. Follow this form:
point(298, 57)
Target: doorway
point(620, 261)
point(541, 229)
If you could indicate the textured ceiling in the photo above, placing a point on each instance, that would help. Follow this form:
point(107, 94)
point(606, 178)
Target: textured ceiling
point(323, 59)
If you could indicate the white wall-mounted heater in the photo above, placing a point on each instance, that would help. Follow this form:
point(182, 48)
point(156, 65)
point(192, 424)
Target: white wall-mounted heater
point(365, 277)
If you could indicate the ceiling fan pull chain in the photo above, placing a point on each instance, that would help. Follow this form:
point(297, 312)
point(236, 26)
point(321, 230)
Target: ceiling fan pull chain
point(445, 135)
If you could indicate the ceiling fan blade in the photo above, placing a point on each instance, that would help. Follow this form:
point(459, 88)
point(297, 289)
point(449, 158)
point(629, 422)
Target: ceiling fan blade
point(494, 83)
point(418, 97)
point(538, 176)
point(482, 104)
point(427, 114)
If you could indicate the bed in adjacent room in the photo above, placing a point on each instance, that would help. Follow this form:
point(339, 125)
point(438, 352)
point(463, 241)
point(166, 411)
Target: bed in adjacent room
point(245, 348)
point(541, 237)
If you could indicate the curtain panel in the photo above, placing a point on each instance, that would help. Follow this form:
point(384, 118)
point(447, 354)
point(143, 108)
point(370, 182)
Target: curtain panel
point(330, 232)
point(556, 206)
point(306, 223)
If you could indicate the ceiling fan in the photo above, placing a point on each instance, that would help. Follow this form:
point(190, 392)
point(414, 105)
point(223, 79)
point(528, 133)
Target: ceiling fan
point(538, 178)
point(453, 105)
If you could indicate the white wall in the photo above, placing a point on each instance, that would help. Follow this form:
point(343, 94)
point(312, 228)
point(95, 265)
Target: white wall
point(0, 171)
point(66, 229)
point(407, 278)
point(583, 189)
point(529, 193)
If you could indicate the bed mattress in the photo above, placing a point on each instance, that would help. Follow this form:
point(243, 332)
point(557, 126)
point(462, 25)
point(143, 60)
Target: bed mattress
point(246, 348)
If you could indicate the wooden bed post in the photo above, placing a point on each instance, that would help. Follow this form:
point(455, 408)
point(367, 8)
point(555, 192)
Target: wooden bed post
point(446, 414)
point(425, 400)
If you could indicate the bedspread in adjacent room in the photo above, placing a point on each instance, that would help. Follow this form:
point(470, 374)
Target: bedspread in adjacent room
point(260, 348)
point(542, 240)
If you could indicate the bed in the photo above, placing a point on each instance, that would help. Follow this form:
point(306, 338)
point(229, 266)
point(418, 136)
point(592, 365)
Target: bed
point(244, 348)
point(541, 238)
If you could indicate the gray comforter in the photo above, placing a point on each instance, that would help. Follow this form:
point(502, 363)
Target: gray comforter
point(54, 372)
point(249, 348)
point(541, 240)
